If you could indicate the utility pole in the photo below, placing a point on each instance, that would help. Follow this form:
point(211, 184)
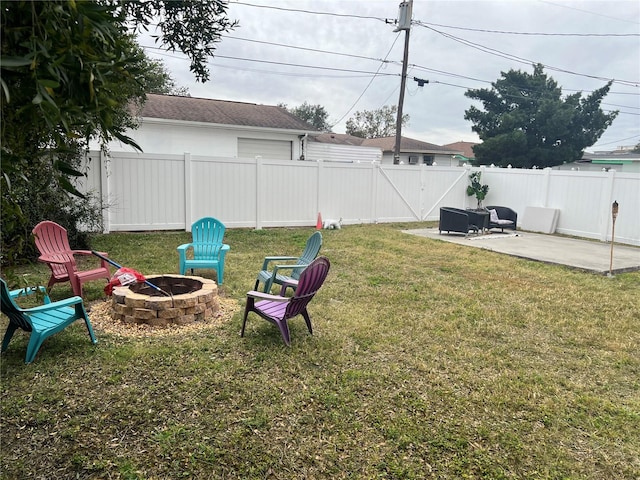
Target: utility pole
point(404, 23)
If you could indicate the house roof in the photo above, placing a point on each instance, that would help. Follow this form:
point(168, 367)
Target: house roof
point(407, 145)
point(465, 147)
point(615, 156)
point(221, 112)
point(338, 139)
point(386, 144)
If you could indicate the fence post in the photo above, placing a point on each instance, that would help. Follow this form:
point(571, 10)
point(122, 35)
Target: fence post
point(188, 212)
point(319, 198)
point(423, 174)
point(103, 165)
point(547, 183)
point(465, 197)
point(607, 200)
point(259, 188)
point(375, 173)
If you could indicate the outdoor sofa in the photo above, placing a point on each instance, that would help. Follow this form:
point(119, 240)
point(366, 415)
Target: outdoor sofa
point(504, 217)
point(461, 221)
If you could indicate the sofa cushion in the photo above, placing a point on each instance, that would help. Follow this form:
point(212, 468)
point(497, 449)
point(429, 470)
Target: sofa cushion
point(493, 216)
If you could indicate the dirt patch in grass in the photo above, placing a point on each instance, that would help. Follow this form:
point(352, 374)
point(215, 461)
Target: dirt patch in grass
point(100, 314)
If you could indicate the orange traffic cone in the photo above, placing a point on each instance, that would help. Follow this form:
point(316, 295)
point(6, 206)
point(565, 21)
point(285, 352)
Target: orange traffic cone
point(319, 222)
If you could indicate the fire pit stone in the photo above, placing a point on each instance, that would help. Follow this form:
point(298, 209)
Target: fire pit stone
point(196, 301)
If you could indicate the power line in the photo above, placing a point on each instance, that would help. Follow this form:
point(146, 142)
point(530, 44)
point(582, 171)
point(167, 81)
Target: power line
point(361, 73)
point(311, 49)
point(533, 91)
point(368, 85)
point(515, 58)
point(307, 66)
point(589, 12)
point(376, 73)
point(532, 34)
point(310, 12)
point(372, 75)
point(615, 141)
point(477, 46)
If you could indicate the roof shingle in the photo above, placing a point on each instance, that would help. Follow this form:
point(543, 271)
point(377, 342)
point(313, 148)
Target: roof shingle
point(465, 147)
point(387, 144)
point(221, 112)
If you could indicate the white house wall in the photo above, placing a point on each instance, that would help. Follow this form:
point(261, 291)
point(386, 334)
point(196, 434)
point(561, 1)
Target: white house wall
point(330, 152)
point(443, 160)
point(177, 137)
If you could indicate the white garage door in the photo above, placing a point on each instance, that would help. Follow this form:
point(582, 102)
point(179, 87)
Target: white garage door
point(273, 149)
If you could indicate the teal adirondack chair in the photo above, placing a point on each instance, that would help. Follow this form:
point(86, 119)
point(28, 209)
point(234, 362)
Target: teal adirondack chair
point(206, 249)
point(42, 321)
point(276, 275)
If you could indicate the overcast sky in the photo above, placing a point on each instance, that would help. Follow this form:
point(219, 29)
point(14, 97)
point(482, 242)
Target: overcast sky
point(345, 57)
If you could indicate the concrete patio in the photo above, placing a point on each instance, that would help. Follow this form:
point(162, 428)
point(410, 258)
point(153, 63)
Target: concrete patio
point(588, 255)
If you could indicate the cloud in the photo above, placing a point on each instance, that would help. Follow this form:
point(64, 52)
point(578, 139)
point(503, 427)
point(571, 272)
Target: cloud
point(453, 44)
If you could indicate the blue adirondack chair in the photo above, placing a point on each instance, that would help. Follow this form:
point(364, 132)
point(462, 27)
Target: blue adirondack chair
point(275, 275)
point(206, 249)
point(42, 321)
point(278, 309)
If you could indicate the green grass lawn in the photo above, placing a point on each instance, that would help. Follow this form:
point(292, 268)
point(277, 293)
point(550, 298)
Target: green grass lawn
point(428, 360)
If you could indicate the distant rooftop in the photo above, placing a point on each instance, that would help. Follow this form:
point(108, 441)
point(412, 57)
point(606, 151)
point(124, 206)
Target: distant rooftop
point(221, 112)
point(466, 148)
point(386, 144)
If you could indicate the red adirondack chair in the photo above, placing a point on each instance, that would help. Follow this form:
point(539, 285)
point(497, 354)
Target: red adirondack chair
point(279, 309)
point(53, 244)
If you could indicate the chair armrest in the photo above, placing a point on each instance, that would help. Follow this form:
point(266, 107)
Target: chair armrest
point(182, 252)
point(67, 302)
point(184, 246)
point(289, 283)
point(88, 252)
point(23, 292)
point(285, 267)
point(223, 251)
point(267, 296)
point(268, 260)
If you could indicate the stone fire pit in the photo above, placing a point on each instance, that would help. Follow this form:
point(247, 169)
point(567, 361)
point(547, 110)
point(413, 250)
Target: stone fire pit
point(191, 299)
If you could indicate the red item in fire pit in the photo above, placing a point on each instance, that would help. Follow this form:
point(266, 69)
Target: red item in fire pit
point(123, 276)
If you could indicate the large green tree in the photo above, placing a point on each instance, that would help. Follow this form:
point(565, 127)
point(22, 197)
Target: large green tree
point(70, 70)
point(375, 123)
point(526, 121)
point(159, 80)
point(315, 115)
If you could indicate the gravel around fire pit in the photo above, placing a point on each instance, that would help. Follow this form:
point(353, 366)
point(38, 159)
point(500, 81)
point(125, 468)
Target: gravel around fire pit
point(102, 321)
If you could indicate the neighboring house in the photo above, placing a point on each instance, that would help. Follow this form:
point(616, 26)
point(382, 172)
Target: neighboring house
point(466, 148)
point(412, 152)
point(201, 126)
point(620, 160)
point(340, 147)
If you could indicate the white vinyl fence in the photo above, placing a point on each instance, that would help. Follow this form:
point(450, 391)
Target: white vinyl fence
point(170, 192)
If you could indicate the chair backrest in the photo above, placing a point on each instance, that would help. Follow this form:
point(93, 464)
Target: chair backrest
point(52, 239)
point(207, 236)
point(11, 310)
point(311, 250)
point(311, 279)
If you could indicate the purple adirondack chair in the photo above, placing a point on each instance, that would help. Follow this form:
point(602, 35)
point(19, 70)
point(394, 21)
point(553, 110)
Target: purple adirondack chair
point(279, 309)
